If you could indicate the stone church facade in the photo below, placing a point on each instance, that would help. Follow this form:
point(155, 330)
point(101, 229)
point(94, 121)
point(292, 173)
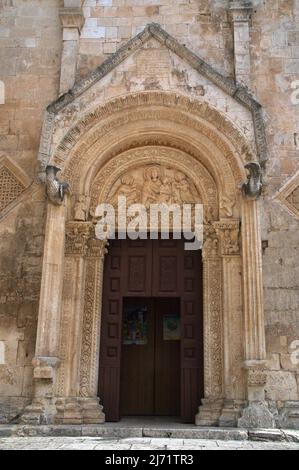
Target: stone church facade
point(202, 94)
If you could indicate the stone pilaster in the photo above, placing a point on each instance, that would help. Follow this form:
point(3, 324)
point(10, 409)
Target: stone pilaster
point(77, 378)
point(46, 358)
point(211, 407)
point(228, 232)
point(72, 20)
point(241, 11)
point(257, 413)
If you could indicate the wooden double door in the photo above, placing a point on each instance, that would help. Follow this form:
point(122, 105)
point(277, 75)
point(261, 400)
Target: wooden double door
point(152, 313)
point(151, 356)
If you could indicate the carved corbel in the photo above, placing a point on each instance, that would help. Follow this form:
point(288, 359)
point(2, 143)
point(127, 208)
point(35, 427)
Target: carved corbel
point(253, 188)
point(55, 189)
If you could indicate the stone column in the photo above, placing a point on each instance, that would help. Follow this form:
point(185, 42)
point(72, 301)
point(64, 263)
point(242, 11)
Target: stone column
point(92, 411)
point(241, 11)
point(257, 413)
point(212, 404)
point(80, 332)
point(228, 231)
point(72, 20)
point(48, 329)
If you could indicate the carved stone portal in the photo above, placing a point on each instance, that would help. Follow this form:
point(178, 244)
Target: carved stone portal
point(111, 155)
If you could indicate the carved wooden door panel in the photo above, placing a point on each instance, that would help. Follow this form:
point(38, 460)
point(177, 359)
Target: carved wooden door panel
point(127, 273)
point(192, 386)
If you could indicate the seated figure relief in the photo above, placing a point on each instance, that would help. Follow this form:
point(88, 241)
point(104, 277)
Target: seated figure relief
point(155, 184)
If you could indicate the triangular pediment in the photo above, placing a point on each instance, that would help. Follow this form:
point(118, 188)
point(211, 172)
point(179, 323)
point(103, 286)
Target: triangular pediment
point(155, 31)
point(186, 60)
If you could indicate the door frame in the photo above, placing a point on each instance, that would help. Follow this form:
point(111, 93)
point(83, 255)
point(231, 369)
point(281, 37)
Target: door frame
point(187, 285)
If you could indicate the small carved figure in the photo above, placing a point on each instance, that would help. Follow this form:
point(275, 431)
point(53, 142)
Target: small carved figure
point(226, 206)
point(128, 188)
point(152, 186)
point(166, 192)
point(81, 209)
point(55, 189)
point(253, 188)
point(185, 193)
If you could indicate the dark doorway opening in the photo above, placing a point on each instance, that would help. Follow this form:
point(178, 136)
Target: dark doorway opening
point(150, 364)
point(167, 281)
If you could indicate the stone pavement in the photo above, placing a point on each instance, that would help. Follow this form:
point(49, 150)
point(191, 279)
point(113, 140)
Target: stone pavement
point(91, 443)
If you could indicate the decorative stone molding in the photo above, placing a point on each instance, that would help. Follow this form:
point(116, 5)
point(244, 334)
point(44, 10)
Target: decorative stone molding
point(288, 196)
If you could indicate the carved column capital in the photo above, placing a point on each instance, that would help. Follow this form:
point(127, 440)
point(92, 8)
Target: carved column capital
point(228, 232)
point(72, 17)
point(240, 10)
point(97, 248)
point(77, 234)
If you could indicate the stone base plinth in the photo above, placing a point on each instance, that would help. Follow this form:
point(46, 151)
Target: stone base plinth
point(209, 413)
point(289, 415)
point(257, 415)
point(79, 411)
point(231, 413)
point(40, 412)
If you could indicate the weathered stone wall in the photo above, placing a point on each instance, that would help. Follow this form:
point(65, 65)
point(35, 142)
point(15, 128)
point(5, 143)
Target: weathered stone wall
point(30, 50)
point(275, 65)
point(202, 25)
point(30, 55)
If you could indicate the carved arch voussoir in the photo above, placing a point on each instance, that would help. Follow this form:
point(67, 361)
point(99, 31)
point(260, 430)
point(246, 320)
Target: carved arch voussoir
point(194, 114)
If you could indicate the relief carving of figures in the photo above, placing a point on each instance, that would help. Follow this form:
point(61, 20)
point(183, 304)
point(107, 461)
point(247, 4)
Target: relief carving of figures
point(155, 184)
point(211, 242)
point(152, 186)
point(126, 187)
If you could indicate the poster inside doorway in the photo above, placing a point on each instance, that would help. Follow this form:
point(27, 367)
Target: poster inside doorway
point(135, 326)
point(172, 327)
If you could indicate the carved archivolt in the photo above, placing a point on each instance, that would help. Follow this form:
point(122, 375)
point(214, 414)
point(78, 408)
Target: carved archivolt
point(121, 124)
point(209, 120)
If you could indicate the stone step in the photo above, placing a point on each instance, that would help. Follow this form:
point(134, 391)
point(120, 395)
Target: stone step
point(122, 431)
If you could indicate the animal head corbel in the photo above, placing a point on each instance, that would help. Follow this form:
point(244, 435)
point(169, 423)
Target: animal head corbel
point(254, 186)
point(55, 189)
